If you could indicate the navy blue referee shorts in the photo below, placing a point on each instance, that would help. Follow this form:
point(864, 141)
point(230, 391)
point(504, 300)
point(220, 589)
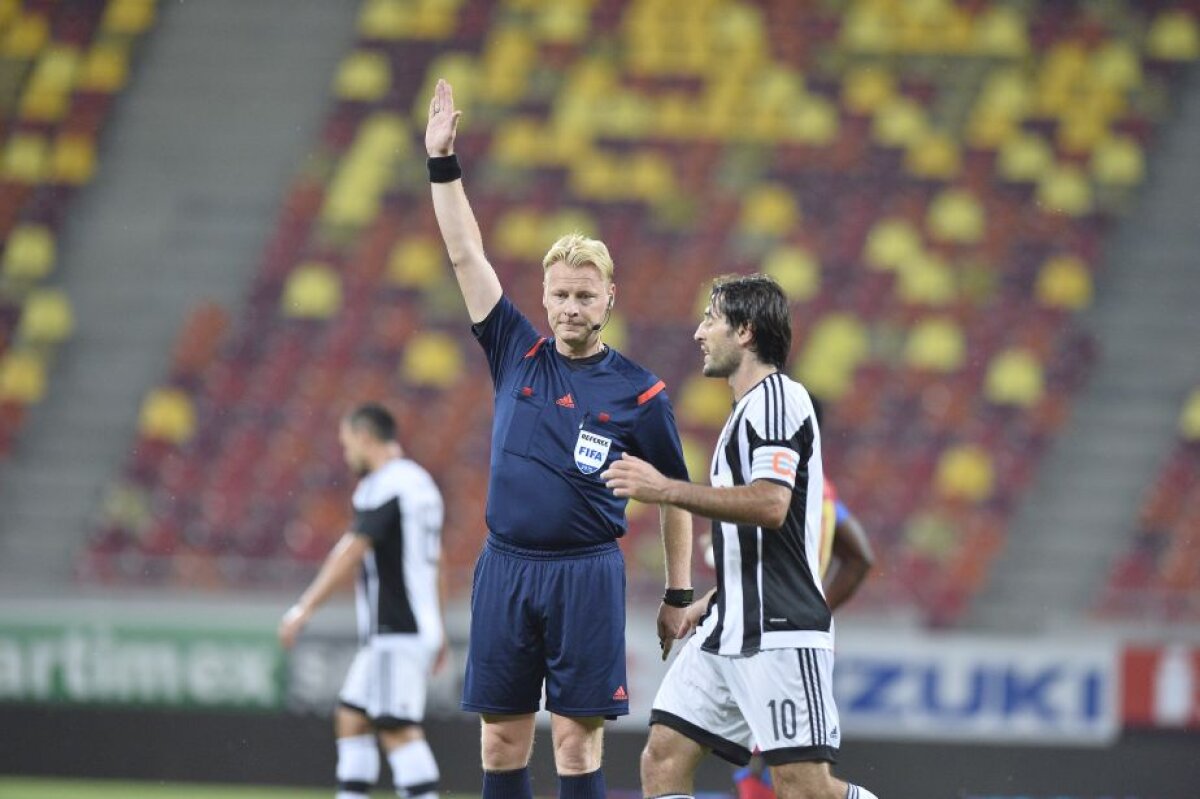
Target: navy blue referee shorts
point(554, 617)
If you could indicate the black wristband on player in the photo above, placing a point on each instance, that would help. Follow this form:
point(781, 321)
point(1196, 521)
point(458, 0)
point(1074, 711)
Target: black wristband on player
point(444, 169)
point(678, 597)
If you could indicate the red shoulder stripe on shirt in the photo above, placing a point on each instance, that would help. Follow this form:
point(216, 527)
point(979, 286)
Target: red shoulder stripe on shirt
point(533, 350)
point(651, 392)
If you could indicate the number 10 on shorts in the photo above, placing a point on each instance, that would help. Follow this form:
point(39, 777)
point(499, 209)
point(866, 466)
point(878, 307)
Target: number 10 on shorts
point(783, 718)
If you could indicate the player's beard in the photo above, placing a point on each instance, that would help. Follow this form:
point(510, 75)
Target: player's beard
point(719, 367)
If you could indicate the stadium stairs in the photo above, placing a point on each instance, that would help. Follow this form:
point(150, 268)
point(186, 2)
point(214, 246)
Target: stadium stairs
point(1079, 512)
point(196, 157)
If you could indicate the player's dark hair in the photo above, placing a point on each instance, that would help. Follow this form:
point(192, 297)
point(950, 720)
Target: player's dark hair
point(757, 302)
point(375, 419)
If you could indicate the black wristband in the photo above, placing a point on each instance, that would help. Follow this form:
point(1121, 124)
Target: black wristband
point(678, 597)
point(444, 169)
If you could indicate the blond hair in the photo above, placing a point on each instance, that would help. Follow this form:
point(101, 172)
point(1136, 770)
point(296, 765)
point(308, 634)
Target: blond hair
point(576, 249)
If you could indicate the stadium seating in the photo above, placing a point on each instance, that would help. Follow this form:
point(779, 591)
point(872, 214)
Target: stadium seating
point(1158, 577)
point(929, 180)
point(61, 64)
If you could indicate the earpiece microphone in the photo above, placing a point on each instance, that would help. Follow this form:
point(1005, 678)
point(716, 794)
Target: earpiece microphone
point(607, 313)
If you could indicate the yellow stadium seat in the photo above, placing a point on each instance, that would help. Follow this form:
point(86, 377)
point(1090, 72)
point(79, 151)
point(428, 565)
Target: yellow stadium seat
point(866, 88)
point(363, 76)
point(46, 317)
point(29, 254)
point(25, 158)
point(1001, 32)
point(935, 344)
point(520, 142)
point(57, 68)
point(74, 160)
point(1064, 282)
point(813, 121)
point(417, 263)
point(106, 68)
point(8, 12)
point(989, 129)
point(930, 535)
point(899, 122)
point(890, 242)
point(1007, 90)
point(1064, 189)
point(616, 332)
point(1174, 36)
point(1080, 131)
point(677, 116)
point(128, 16)
point(1116, 65)
point(508, 59)
point(770, 210)
point(625, 115)
point(386, 19)
point(1189, 419)
point(563, 23)
point(1014, 377)
point(25, 37)
point(956, 216)
point(167, 414)
point(597, 178)
point(835, 348)
point(1118, 161)
point(312, 291)
point(43, 105)
point(365, 171)
point(866, 30)
point(704, 401)
point(796, 270)
point(432, 360)
point(519, 235)
point(1006, 93)
point(1024, 158)
point(965, 472)
point(650, 176)
point(925, 279)
point(696, 455)
point(566, 220)
point(22, 377)
point(935, 156)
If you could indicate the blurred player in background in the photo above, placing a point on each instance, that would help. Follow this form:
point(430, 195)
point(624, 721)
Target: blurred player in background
point(395, 544)
point(846, 556)
point(846, 559)
point(548, 599)
point(759, 670)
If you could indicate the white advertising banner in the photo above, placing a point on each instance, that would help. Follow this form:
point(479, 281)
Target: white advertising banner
point(971, 688)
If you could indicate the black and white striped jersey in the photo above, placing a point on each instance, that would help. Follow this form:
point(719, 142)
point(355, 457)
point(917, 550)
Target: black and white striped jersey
point(769, 592)
point(399, 507)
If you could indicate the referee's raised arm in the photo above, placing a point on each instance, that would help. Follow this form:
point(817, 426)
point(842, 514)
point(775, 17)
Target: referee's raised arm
point(464, 243)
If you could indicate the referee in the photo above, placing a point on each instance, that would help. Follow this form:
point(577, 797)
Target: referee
point(548, 600)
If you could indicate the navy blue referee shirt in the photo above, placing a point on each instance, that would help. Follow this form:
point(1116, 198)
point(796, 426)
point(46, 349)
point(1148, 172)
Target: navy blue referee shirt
point(558, 424)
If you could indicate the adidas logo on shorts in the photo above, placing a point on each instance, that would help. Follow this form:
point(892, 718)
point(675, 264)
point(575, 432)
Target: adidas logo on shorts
point(619, 695)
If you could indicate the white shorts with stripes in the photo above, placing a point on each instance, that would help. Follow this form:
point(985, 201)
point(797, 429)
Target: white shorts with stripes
point(387, 680)
point(778, 700)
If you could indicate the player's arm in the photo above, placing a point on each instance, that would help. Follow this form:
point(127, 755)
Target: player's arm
point(337, 569)
point(464, 243)
point(676, 526)
point(763, 503)
point(853, 561)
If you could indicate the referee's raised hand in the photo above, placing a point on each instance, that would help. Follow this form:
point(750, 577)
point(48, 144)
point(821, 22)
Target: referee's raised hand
point(443, 121)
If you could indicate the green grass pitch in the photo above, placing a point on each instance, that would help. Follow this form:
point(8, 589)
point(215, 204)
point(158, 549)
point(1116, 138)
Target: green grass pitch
point(23, 788)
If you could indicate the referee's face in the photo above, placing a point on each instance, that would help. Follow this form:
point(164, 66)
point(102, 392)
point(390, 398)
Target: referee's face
point(722, 353)
point(576, 299)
